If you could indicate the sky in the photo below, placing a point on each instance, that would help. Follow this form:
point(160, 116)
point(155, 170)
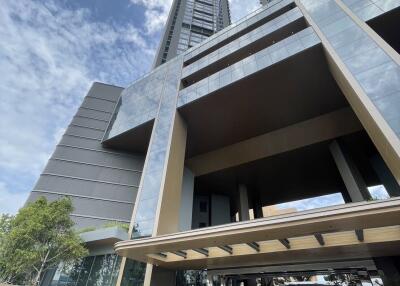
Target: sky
point(51, 51)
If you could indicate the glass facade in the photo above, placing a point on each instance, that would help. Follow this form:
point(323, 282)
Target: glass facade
point(201, 19)
point(237, 27)
point(148, 196)
point(243, 41)
point(90, 271)
point(267, 57)
point(368, 9)
point(192, 22)
point(191, 278)
point(371, 66)
point(101, 270)
point(139, 102)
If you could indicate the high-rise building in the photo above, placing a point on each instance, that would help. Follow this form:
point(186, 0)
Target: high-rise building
point(189, 23)
point(264, 2)
point(268, 154)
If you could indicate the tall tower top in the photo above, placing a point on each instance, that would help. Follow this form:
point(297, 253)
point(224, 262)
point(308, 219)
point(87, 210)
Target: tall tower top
point(189, 23)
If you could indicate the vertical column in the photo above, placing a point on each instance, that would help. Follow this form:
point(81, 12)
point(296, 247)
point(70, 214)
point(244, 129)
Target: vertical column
point(161, 183)
point(168, 215)
point(243, 203)
point(366, 69)
point(386, 177)
point(388, 269)
point(352, 178)
point(257, 207)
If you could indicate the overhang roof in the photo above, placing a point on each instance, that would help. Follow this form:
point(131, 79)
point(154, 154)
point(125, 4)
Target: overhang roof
point(356, 230)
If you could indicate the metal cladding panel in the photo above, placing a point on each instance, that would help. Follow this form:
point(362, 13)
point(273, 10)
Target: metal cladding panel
point(93, 172)
point(102, 183)
point(101, 210)
point(89, 122)
point(94, 156)
point(76, 140)
point(94, 114)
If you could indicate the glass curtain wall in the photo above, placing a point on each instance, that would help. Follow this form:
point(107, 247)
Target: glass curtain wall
point(99, 270)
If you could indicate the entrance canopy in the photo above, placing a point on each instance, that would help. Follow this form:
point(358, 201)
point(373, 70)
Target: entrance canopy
point(356, 230)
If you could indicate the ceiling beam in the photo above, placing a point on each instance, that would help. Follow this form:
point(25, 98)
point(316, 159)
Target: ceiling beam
point(320, 239)
point(163, 255)
point(360, 235)
point(254, 245)
point(226, 248)
point(321, 128)
point(285, 242)
point(203, 251)
point(180, 253)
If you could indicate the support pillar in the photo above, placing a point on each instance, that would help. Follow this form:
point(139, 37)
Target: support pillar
point(386, 176)
point(257, 207)
point(243, 203)
point(349, 172)
point(388, 269)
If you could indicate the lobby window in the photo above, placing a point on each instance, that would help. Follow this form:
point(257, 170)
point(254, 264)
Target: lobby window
point(89, 271)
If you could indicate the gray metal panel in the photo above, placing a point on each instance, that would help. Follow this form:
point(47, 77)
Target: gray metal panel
point(102, 183)
point(86, 187)
point(93, 114)
point(98, 157)
point(77, 140)
point(76, 169)
point(93, 123)
point(99, 104)
point(108, 211)
point(82, 131)
point(109, 92)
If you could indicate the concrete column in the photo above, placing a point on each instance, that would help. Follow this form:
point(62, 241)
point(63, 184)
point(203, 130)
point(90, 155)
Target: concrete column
point(351, 176)
point(168, 213)
point(243, 203)
point(161, 276)
point(186, 212)
point(385, 175)
point(257, 207)
point(388, 269)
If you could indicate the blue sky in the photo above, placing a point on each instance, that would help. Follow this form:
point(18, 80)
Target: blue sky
point(50, 53)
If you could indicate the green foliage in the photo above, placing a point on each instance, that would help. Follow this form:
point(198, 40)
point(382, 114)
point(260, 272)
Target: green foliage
point(124, 226)
point(86, 229)
point(39, 237)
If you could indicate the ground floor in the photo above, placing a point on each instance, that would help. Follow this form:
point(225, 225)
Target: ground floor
point(103, 270)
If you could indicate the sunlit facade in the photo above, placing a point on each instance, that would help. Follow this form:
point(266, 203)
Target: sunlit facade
point(267, 154)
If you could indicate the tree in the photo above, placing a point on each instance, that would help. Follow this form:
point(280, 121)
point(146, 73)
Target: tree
point(40, 237)
point(5, 228)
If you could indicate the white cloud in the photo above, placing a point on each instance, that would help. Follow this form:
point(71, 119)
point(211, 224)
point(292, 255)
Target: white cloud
point(241, 8)
point(379, 192)
point(314, 203)
point(156, 13)
point(10, 202)
point(49, 56)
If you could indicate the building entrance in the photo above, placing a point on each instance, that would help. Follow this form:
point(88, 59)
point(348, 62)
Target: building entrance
point(342, 277)
point(344, 273)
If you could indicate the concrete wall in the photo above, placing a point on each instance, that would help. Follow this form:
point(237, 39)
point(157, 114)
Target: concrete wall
point(102, 183)
point(185, 219)
point(220, 210)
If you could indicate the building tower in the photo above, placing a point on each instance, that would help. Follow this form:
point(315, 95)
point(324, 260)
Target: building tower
point(248, 159)
point(189, 23)
point(265, 2)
